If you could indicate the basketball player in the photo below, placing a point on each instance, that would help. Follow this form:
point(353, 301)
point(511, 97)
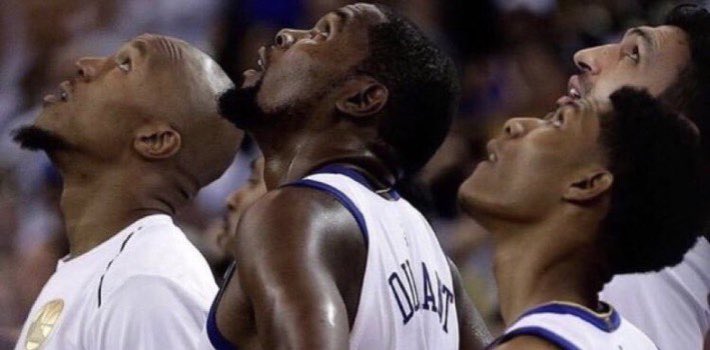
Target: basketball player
point(671, 61)
point(135, 136)
point(332, 257)
point(571, 199)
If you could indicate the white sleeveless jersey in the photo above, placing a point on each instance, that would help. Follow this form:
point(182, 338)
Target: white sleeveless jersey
point(573, 327)
point(672, 306)
point(407, 299)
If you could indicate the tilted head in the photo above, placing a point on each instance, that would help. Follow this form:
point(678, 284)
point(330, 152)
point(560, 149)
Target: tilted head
point(670, 61)
point(151, 106)
point(628, 165)
point(363, 65)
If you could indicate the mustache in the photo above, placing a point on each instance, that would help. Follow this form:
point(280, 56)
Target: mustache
point(34, 138)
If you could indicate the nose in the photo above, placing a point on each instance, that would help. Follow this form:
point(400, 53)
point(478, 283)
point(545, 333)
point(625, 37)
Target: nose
point(519, 127)
point(88, 68)
point(287, 37)
point(589, 60)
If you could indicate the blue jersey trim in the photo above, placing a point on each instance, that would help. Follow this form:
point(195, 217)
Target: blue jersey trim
point(538, 332)
point(355, 175)
point(218, 341)
point(606, 324)
point(342, 198)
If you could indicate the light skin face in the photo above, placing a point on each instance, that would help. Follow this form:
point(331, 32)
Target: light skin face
point(537, 164)
point(147, 89)
point(303, 64)
point(238, 202)
point(646, 57)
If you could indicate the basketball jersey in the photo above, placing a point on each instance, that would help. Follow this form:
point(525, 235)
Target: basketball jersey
point(672, 306)
point(147, 287)
point(407, 298)
point(573, 327)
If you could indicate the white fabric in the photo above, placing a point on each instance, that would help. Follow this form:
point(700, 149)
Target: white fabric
point(155, 293)
point(400, 243)
point(584, 335)
point(671, 306)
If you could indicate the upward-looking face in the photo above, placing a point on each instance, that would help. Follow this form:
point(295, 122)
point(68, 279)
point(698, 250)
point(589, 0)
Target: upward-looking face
point(533, 163)
point(149, 78)
point(302, 66)
point(646, 57)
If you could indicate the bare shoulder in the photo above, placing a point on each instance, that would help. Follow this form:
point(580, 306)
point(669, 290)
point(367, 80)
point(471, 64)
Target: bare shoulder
point(287, 218)
point(526, 342)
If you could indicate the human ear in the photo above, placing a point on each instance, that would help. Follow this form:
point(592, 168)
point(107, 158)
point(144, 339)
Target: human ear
point(157, 141)
point(362, 96)
point(589, 187)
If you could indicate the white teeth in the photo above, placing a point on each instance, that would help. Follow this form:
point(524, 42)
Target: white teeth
point(63, 96)
point(492, 157)
point(574, 93)
point(260, 62)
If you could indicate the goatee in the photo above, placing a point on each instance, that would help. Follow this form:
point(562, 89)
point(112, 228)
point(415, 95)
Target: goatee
point(34, 138)
point(239, 106)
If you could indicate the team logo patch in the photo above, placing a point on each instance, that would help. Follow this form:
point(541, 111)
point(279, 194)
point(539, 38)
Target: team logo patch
point(42, 327)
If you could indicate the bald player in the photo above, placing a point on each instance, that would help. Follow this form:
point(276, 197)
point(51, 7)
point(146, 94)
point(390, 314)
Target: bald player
point(135, 136)
point(332, 257)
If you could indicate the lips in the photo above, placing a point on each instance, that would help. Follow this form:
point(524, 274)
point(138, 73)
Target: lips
point(575, 91)
point(64, 93)
point(491, 149)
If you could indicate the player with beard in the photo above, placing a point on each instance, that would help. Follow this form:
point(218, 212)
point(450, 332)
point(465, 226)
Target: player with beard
point(671, 61)
point(332, 257)
point(134, 136)
point(592, 190)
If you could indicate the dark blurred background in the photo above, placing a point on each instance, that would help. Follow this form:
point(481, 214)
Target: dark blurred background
point(514, 58)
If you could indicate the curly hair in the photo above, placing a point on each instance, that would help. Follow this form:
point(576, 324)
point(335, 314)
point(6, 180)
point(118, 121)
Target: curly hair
point(654, 155)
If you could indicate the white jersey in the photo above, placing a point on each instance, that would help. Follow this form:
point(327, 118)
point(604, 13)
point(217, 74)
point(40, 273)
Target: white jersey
point(407, 298)
point(147, 287)
point(672, 305)
point(573, 327)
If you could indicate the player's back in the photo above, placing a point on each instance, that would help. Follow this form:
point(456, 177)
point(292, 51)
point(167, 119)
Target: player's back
point(573, 327)
point(407, 299)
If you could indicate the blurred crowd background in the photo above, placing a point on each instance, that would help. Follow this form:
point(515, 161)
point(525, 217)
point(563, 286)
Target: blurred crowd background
point(514, 56)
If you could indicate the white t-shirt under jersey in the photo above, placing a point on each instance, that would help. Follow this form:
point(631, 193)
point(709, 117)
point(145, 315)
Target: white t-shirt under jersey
point(671, 306)
point(145, 288)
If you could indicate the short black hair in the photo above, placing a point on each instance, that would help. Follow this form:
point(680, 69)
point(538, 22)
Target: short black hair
point(654, 155)
point(690, 94)
point(423, 91)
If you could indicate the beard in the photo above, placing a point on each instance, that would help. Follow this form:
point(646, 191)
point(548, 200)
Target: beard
point(239, 106)
point(34, 138)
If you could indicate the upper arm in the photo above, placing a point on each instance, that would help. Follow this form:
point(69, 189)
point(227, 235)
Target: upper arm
point(285, 256)
point(148, 312)
point(473, 333)
point(526, 342)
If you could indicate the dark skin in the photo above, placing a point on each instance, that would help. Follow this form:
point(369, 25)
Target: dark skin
point(135, 124)
point(300, 288)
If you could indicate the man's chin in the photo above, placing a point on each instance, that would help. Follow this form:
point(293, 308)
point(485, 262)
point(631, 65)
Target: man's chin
point(35, 138)
point(239, 105)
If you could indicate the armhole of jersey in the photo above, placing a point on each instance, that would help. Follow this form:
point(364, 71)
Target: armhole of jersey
point(538, 332)
point(218, 341)
point(342, 198)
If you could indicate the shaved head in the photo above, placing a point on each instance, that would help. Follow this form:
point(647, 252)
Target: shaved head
point(150, 107)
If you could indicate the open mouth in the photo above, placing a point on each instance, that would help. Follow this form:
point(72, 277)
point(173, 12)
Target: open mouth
point(492, 155)
point(574, 91)
point(63, 94)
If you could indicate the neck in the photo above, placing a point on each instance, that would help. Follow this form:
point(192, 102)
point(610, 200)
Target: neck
point(97, 204)
point(554, 260)
point(293, 155)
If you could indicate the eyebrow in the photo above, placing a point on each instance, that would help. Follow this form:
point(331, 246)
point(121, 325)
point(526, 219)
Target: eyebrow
point(342, 14)
point(645, 35)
